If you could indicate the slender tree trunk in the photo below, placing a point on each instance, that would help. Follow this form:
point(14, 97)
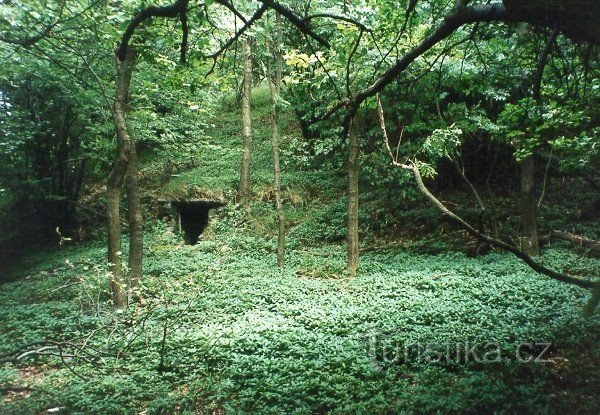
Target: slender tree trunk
point(276, 167)
point(116, 179)
point(244, 186)
point(529, 237)
point(134, 217)
point(115, 267)
point(353, 152)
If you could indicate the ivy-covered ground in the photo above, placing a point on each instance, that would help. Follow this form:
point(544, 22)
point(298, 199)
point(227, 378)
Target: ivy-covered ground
point(221, 330)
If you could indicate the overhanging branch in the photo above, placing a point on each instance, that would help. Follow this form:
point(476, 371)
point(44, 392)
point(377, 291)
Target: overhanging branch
point(257, 15)
point(300, 24)
point(461, 15)
point(173, 11)
point(456, 19)
point(336, 17)
point(233, 10)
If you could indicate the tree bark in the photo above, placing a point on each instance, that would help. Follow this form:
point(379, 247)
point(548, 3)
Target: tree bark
point(276, 166)
point(529, 236)
point(353, 170)
point(136, 236)
point(116, 179)
point(244, 185)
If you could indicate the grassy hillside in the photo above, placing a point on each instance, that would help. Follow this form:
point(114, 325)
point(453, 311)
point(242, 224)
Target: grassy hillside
point(220, 329)
point(218, 163)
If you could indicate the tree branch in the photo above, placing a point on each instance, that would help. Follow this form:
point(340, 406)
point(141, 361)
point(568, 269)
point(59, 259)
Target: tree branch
point(541, 65)
point(233, 10)
point(349, 62)
point(36, 38)
point(247, 23)
point(492, 241)
point(336, 17)
point(172, 11)
point(456, 19)
point(301, 24)
point(471, 230)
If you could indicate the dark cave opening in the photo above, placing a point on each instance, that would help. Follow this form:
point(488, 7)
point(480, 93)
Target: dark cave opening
point(193, 218)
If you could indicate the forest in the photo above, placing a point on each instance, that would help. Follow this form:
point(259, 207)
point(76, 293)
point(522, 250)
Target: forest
point(299, 207)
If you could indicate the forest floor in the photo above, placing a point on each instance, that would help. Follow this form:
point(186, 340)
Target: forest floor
point(220, 329)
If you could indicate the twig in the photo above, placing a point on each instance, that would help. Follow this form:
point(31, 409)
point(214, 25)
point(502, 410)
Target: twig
point(37, 351)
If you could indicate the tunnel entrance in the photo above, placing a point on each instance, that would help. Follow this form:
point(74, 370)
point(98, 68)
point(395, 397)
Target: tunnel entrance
point(192, 217)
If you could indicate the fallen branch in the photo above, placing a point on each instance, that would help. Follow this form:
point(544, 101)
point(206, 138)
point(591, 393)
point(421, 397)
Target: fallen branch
point(414, 168)
point(488, 239)
point(41, 350)
point(14, 357)
point(583, 242)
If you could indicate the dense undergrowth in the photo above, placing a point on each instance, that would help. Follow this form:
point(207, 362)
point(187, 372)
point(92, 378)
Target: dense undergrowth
point(220, 329)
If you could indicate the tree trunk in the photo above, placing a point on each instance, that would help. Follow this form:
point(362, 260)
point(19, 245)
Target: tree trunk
point(353, 151)
point(116, 178)
point(276, 167)
point(134, 217)
point(115, 267)
point(529, 237)
point(244, 186)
